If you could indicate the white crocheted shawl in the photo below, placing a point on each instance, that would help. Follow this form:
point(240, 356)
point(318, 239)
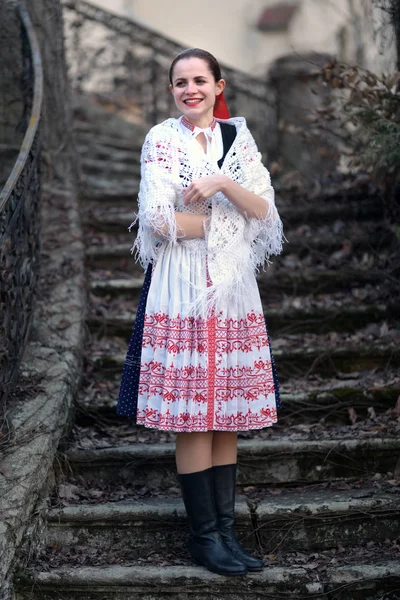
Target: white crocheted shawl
point(236, 246)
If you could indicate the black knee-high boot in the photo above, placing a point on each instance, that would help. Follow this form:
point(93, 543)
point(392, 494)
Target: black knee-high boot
point(206, 545)
point(224, 487)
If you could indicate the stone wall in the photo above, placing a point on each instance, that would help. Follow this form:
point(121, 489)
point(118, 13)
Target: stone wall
point(40, 407)
point(298, 92)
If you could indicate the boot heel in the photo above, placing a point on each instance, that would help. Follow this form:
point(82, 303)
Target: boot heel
point(224, 489)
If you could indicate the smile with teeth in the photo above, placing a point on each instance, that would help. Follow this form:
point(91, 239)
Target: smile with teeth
point(193, 101)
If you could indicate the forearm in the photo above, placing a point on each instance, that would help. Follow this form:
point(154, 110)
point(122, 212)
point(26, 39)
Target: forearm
point(189, 226)
point(246, 202)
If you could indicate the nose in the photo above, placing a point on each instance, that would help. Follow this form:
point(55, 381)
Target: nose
point(191, 87)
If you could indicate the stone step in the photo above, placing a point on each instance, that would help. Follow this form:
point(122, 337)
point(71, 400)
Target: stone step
point(111, 170)
point(295, 356)
point(105, 154)
point(127, 188)
point(348, 318)
point(358, 581)
point(370, 238)
point(113, 197)
point(317, 404)
point(107, 143)
point(295, 520)
point(291, 214)
point(286, 278)
point(130, 136)
point(280, 461)
point(273, 284)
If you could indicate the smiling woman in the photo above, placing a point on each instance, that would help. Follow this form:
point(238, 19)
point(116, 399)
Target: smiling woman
point(195, 88)
point(199, 362)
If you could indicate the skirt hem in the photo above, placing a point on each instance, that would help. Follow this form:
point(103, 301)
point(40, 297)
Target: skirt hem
point(204, 429)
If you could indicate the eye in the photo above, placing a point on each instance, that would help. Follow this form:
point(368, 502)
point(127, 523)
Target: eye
point(200, 81)
point(180, 84)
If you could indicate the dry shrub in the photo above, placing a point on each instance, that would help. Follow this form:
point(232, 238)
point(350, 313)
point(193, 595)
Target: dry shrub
point(365, 112)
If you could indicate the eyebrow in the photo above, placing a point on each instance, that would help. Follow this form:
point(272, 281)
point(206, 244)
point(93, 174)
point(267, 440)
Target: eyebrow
point(195, 77)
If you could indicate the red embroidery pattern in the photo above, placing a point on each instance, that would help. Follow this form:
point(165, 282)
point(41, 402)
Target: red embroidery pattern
point(186, 123)
point(211, 331)
point(173, 384)
point(191, 383)
point(177, 334)
point(198, 422)
point(210, 393)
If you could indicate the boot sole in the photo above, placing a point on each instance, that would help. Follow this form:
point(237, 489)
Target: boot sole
point(234, 574)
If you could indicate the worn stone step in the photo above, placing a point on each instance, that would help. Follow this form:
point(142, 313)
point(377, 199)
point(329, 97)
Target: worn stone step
point(130, 287)
point(273, 284)
point(104, 153)
point(126, 137)
point(293, 521)
point(283, 461)
point(116, 171)
point(143, 524)
point(359, 581)
point(347, 318)
point(369, 240)
point(116, 196)
point(319, 404)
point(127, 187)
point(317, 212)
point(292, 215)
point(295, 357)
point(284, 278)
point(107, 143)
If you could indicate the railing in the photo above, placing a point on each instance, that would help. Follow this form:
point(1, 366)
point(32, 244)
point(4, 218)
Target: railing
point(20, 217)
point(127, 65)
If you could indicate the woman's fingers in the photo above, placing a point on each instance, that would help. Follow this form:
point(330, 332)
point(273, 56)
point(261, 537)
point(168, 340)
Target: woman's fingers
point(192, 194)
point(201, 189)
point(189, 196)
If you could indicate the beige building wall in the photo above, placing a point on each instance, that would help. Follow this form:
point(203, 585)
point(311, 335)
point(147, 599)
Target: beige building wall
point(227, 28)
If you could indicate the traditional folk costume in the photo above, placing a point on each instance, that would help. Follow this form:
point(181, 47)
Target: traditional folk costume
point(200, 358)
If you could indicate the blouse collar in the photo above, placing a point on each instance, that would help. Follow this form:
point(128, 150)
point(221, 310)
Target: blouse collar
point(193, 131)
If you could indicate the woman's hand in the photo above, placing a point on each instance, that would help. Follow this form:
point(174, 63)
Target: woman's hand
point(201, 189)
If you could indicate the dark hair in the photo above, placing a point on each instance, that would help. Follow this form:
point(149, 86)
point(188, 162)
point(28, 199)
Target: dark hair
point(211, 61)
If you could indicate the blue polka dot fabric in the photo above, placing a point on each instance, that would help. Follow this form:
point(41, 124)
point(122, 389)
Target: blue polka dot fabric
point(274, 374)
point(129, 389)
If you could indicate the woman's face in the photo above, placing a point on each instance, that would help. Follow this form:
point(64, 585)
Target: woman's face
point(194, 89)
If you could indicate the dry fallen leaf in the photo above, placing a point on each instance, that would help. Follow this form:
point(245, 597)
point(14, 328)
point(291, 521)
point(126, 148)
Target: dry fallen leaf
point(68, 491)
point(352, 415)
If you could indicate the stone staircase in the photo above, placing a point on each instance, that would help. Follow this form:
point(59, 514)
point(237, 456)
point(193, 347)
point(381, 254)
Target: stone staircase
point(318, 494)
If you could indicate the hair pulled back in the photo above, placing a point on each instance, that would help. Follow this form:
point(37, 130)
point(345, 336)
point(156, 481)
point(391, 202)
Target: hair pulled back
point(211, 61)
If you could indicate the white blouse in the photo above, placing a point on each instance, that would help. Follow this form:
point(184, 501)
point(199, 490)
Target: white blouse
point(215, 146)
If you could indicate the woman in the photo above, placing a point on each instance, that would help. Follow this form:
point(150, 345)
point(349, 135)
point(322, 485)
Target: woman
point(199, 361)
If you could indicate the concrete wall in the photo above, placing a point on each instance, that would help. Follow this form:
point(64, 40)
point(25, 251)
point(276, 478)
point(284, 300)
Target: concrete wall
point(228, 29)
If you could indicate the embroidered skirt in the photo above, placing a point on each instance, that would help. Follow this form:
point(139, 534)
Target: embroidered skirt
point(188, 374)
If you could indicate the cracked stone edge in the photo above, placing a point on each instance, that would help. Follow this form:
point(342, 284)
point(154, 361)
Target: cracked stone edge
point(54, 357)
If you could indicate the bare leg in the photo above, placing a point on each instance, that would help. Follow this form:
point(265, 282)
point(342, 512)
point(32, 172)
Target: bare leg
point(193, 452)
point(224, 448)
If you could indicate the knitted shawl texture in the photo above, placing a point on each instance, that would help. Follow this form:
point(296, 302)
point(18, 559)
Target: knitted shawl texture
point(235, 246)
